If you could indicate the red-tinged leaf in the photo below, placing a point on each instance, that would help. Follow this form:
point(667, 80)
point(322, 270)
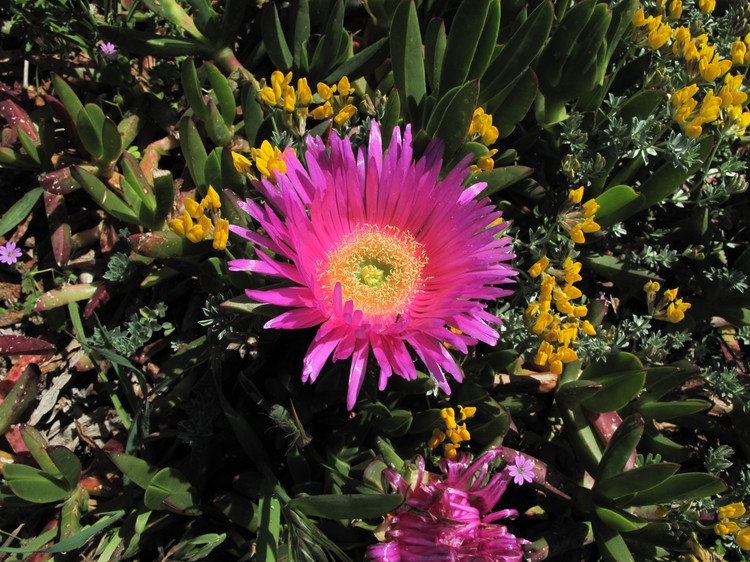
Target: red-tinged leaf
point(16, 371)
point(65, 118)
point(100, 298)
point(25, 345)
point(16, 116)
point(59, 182)
point(57, 218)
point(60, 297)
point(19, 398)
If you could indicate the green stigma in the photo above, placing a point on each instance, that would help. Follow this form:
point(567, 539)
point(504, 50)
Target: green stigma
point(372, 275)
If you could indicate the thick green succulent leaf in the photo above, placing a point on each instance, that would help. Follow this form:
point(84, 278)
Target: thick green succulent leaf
point(328, 49)
point(103, 196)
point(641, 478)
point(514, 58)
point(612, 547)
point(622, 377)
point(191, 89)
point(223, 92)
point(466, 41)
point(347, 506)
point(435, 42)
point(668, 178)
point(300, 28)
point(89, 122)
point(137, 470)
point(619, 520)
point(610, 267)
point(20, 210)
point(675, 409)
point(616, 204)
point(680, 487)
point(67, 96)
point(407, 62)
point(153, 44)
point(274, 40)
point(111, 141)
point(502, 178)
point(452, 116)
point(365, 61)
point(195, 153)
point(621, 447)
point(510, 106)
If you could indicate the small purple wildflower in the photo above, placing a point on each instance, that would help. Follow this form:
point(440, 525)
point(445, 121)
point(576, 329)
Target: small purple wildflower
point(9, 253)
point(522, 470)
point(109, 51)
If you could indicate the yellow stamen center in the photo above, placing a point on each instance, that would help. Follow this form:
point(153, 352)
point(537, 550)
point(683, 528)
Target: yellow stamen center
point(380, 270)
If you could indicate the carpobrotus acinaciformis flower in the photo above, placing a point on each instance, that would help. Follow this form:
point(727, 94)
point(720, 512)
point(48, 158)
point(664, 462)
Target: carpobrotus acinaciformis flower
point(448, 517)
point(382, 253)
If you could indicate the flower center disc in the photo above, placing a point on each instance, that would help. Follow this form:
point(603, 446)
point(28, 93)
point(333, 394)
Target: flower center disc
point(380, 269)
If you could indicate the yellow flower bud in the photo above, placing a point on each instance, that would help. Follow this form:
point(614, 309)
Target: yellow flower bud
point(322, 111)
point(290, 99)
point(193, 208)
point(344, 88)
point(575, 195)
point(325, 91)
point(212, 201)
point(706, 6)
point(304, 92)
point(731, 511)
point(346, 113)
point(742, 538)
point(541, 265)
point(726, 527)
point(241, 163)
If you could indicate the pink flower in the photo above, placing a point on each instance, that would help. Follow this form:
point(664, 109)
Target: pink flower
point(522, 470)
point(382, 254)
point(448, 518)
point(9, 253)
point(108, 50)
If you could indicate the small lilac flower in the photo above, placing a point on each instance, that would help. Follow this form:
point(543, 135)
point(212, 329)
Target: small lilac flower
point(9, 253)
point(522, 470)
point(108, 50)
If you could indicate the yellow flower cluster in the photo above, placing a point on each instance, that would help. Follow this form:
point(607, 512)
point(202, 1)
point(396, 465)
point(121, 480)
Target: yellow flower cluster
point(703, 64)
point(332, 99)
point(453, 432)
point(482, 130)
point(726, 526)
point(577, 218)
point(557, 290)
point(196, 225)
point(669, 307)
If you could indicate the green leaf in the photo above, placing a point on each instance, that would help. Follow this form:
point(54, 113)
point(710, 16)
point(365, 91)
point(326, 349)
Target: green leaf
point(67, 464)
point(516, 55)
point(364, 62)
point(191, 89)
point(137, 470)
point(619, 520)
point(390, 116)
point(610, 267)
point(67, 96)
point(636, 480)
point(664, 446)
point(329, 47)
point(137, 179)
point(451, 118)
point(435, 42)
point(662, 183)
point(37, 446)
point(104, 197)
point(217, 130)
point(223, 92)
point(612, 547)
point(669, 410)
point(164, 193)
point(111, 141)
point(128, 129)
point(195, 153)
point(616, 204)
point(510, 106)
point(86, 533)
point(28, 145)
point(90, 122)
point(406, 59)
point(300, 31)
point(33, 485)
point(347, 506)
point(660, 380)
point(501, 178)
point(397, 424)
point(680, 487)
point(252, 113)
point(269, 528)
point(20, 210)
point(621, 447)
point(153, 44)
point(577, 390)
point(20, 396)
point(622, 377)
point(466, 31)
point(239, 510)
point(171, 490)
